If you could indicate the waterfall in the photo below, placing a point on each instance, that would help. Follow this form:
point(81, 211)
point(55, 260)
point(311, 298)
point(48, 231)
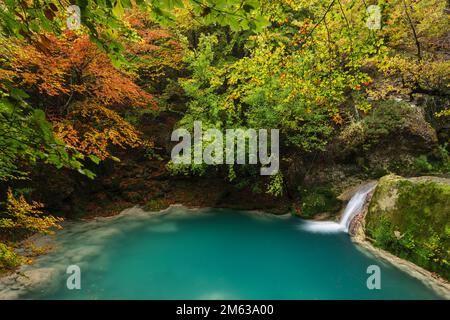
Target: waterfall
point(353, 207)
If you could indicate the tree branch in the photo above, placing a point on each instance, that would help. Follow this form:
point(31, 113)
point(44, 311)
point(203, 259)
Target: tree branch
point(411, 23)
point(323, 17)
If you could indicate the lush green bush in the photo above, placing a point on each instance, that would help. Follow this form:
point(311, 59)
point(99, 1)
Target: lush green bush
point(8, 258)
point(422, 164)
point(437, 163)
point(19, 219)
point(317, 200)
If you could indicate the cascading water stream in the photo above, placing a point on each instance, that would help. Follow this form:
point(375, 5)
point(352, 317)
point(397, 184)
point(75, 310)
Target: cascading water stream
point(353, 207)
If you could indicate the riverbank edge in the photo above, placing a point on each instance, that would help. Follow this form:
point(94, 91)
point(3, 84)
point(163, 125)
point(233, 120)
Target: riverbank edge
point(438, 284)
point(358, 236)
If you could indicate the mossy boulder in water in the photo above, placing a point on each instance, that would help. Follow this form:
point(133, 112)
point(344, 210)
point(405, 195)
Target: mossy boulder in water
point(411, 219)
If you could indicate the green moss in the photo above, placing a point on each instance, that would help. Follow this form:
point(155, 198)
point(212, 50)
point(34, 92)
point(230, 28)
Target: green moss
point(156, 204)
point(412, 220)
point(318, 200)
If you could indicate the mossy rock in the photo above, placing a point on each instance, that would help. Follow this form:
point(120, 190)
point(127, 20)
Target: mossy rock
point(411, 219)
point(316, 200)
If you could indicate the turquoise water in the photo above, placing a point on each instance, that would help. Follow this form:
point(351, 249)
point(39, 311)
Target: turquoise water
point(214, 254)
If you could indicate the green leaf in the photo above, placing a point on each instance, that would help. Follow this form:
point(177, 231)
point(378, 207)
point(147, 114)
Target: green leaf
point(87, 173)
point(118, 10)
point(94, 159)
point(18, 94)
point(126, 3)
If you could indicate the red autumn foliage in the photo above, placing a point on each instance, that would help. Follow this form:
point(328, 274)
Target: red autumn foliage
point(82, 93)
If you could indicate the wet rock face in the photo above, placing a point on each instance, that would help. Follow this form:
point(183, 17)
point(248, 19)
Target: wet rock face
point(411, 219)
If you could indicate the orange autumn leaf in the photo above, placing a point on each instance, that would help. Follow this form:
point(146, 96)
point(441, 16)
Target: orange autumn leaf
point(337, 119)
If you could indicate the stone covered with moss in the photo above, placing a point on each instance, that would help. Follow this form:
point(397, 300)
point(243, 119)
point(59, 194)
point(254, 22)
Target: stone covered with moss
point(411, 219)
point(316, 200)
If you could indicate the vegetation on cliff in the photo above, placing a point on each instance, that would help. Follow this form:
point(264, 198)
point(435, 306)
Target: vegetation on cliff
point(411, 219)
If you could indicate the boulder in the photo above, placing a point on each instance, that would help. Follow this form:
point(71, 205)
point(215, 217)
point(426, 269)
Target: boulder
point(411, 219)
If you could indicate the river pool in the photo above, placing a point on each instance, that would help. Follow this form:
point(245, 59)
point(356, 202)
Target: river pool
point(214, 254)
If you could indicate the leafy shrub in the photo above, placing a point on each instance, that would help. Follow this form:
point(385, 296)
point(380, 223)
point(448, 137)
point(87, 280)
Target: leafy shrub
point(23, 217)
point(18, 220)
point(439, 164)
point(275, 186)
point(318, 200)
point(8, 258)
point(422, 165)
point(383, 233)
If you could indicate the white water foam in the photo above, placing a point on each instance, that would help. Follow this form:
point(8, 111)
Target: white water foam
point(353, 207)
